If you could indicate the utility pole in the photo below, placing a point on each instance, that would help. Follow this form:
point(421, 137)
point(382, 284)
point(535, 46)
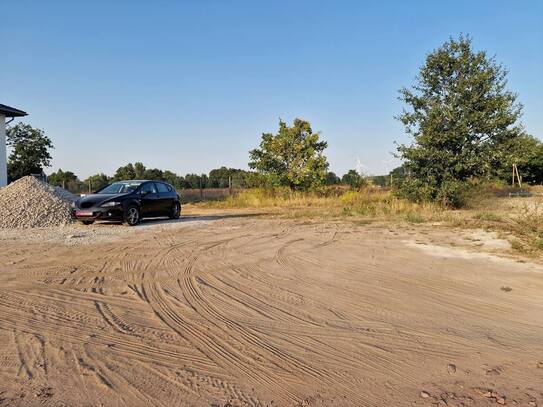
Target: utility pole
point(518, 177)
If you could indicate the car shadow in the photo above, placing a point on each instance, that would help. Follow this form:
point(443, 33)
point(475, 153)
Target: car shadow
point(186, 219)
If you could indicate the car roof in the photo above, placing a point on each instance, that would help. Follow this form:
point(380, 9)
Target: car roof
point(141, 181)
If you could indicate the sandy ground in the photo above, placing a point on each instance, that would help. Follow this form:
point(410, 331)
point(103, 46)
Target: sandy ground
point(239, 310)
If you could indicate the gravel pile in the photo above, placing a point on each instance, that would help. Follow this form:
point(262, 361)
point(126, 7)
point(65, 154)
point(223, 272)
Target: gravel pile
point(31, 203)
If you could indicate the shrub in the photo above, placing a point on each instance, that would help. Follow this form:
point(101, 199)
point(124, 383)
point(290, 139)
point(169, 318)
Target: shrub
point(449, 193)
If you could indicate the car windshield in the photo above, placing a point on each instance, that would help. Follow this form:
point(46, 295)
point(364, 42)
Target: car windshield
point(119, 188)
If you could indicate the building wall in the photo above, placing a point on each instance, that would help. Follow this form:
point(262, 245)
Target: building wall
point(3, 159)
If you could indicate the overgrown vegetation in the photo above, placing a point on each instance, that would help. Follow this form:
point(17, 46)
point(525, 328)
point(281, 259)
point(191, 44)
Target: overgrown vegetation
point(520, 220)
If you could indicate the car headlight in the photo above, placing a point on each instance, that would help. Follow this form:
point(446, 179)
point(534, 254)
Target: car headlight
point(110, 204)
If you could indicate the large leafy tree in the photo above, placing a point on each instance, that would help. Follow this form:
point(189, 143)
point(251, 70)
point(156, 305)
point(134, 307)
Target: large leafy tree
point(29, 151)
point(293, 157)
point(461, 117)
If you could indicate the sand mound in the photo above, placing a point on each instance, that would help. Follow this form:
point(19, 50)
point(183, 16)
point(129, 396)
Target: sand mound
point(31, 203)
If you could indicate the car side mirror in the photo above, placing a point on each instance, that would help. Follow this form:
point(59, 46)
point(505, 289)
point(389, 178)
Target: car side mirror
point(143, 193)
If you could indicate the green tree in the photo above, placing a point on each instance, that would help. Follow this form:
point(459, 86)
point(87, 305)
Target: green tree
point(139, 170)
point(532, 168)
point(353, 179)
point(461, 118)
point(196, 181)
point(332, 179)
point(220, 178)
point(62, 178)
point(125, 173)
point(29, 151)
point(97, 181)
point(175, 180)
point(398, 175)
point(292, 157)
point(153, 174)
point(380, 180)
point(526, 152)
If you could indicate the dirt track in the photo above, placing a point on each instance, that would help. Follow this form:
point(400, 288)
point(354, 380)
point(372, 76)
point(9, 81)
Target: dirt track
point(268, 312)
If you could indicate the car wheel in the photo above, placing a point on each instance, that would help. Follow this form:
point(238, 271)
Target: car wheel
point(87, 222)
point(132, 216)
point(175, 212)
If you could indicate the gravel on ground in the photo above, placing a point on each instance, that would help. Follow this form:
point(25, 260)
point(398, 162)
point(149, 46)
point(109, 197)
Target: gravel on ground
point(31, 203)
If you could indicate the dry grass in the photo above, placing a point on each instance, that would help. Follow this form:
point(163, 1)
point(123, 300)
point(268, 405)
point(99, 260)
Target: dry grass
point(519, 219)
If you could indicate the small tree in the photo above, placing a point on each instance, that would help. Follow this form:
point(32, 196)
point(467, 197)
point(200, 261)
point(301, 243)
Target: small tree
point(532, 167)
point(97, 181)
point(526, 152)
point(293, 157)
point(139, 170)
point(332, 179)
point(29, 151)
point(152, 174)
point(62, 178)
point(173, 178)
point(196, 181)
point(353, 179)
point(126, 172)
point(461, 118)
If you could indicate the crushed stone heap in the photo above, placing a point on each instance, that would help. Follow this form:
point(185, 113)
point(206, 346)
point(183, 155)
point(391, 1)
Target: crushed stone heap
point(31, 203)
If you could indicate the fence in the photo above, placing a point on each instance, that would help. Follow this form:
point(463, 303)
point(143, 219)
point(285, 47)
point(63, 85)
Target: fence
point(206, 194)
point(186, 194)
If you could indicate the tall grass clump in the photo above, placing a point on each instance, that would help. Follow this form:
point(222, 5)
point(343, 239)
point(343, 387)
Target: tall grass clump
point(279, 197)
point(335, 202)
point(487, 206)
point(529, 226)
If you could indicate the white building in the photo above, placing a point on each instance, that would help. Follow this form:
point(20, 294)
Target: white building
point(6, 112)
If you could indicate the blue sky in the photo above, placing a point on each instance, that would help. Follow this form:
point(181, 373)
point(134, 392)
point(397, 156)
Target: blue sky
point(191, 85)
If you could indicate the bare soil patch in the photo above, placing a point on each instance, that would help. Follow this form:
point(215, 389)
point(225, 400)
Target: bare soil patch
point(226, 309)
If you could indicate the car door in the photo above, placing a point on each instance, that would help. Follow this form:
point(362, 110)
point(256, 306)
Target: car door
point(149, 198)
point(166, 198)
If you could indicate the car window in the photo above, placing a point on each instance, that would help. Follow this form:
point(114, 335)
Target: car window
point(119, 188)
point(162, 188)
point(149, 187)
